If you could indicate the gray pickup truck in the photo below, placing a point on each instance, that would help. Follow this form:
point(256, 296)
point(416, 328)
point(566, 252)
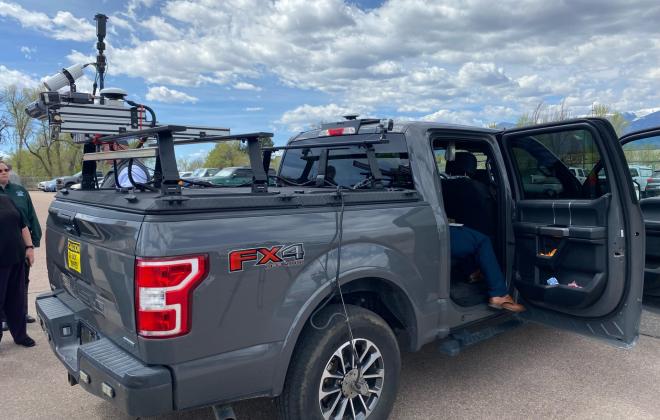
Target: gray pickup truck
point(176, 299)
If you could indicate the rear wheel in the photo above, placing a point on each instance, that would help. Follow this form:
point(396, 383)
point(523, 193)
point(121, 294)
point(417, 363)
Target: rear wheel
point(326, 381)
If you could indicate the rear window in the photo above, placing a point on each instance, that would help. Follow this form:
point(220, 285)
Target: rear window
point(348, 166)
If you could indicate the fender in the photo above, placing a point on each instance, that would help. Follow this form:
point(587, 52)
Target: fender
point(318, 297)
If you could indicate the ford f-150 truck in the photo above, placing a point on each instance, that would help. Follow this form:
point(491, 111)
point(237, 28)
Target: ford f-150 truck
point(165, 301)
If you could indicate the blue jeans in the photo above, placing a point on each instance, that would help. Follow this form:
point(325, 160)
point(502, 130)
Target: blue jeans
point(466, 242)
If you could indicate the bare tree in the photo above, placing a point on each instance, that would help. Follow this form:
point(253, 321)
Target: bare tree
point(616, 118)
point(14, 101)
point(52, 155)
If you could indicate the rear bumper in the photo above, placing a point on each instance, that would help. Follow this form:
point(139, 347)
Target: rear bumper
point(107, 371)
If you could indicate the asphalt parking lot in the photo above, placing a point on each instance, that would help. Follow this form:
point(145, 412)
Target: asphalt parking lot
point(531, 372)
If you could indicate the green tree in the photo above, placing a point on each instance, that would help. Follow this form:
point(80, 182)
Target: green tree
point(233, 153)
point(227, 153)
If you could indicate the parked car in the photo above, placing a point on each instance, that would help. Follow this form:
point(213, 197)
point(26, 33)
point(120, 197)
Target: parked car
point(579, 173)
point(185, 174)
point(204, 172)
point(653, 185)
point(235, 176)
point(69, 181)
point(183, 299)
point(641, 175)
point(48, 186)
point(199, 174)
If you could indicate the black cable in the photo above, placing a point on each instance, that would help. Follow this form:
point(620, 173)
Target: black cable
point(339, 233)
point(133, 182)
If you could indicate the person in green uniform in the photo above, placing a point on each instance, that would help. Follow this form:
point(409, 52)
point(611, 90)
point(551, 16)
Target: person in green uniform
point(23, 202)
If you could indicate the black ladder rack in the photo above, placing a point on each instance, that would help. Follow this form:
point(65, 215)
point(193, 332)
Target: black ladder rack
point(166, 175)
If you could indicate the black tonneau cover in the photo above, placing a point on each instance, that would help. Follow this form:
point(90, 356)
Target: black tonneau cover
point(230, 199)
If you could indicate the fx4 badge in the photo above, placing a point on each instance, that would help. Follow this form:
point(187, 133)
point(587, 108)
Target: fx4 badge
point(268, 257)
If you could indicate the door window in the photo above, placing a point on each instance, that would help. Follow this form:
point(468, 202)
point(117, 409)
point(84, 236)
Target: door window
point(643, 156)
point(543, 163)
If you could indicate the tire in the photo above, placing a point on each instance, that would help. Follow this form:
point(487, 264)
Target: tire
point(318, 349)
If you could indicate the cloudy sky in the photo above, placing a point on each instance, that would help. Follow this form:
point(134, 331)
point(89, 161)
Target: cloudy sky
point(287, 64)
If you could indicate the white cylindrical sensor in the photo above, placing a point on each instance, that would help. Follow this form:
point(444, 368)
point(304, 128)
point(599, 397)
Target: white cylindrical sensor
point(59, 80)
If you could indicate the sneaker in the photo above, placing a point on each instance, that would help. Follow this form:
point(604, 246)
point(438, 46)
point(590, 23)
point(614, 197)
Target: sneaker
point(5, 327)
point(26, 342)
point(30, 319)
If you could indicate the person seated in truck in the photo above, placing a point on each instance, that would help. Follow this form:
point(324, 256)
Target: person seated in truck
point(466, 242)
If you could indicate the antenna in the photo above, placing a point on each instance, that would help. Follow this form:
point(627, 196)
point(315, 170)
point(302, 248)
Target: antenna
point(101, 21)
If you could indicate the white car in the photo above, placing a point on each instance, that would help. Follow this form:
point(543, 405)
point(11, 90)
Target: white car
point(641, 175)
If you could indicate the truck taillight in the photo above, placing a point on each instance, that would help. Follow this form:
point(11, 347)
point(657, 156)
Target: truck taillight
point(340, 131)
point(163, 292)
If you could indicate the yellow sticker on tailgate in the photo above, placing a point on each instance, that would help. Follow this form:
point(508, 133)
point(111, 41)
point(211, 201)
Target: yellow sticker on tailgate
point(73, 256)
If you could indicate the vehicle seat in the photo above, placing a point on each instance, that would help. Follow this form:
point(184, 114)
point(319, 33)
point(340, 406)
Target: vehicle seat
point(467, 200)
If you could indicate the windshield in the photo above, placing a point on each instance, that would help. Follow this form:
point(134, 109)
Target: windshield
point(348, 166)
point(225, 172)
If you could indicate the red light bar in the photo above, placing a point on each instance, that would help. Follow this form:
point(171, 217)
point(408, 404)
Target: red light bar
point(337, 131)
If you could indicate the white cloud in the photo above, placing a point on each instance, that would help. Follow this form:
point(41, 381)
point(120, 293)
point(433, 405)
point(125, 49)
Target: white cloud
point(63, 26)
point(161, 28)
point(308, 116)
point(451, 117)
point(15, 77)
point(487, 74)
point(27, 52)
point(246, 86)
point(409, 56)
point(167, 95)
point(254, 109)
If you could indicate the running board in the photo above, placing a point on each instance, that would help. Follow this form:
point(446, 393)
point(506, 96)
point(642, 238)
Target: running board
point(462, 338)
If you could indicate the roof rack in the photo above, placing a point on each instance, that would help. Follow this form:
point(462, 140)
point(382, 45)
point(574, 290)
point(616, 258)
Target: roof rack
point(166, 174)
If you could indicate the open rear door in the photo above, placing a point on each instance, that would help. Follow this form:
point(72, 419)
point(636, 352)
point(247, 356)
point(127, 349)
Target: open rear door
point(579, 243)
point(642, 151)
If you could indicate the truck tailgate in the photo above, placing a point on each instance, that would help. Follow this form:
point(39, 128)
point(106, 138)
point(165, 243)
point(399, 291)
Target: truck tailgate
point(91, 254)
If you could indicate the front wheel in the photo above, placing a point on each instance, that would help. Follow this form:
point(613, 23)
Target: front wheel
point(327, 381)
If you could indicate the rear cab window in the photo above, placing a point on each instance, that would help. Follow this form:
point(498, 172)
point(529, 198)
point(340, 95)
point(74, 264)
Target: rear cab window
point(348, 166)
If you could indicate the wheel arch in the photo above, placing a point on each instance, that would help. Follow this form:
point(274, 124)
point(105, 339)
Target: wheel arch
point(376, 292)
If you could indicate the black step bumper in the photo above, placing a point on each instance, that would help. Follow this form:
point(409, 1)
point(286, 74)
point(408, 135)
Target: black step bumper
point(101, 367)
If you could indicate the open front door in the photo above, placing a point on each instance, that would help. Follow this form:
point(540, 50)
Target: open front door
point(642, 151)
point(579, 239)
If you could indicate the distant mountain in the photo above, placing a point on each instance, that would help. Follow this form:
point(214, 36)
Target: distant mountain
point(647, 121)
point(635, 123)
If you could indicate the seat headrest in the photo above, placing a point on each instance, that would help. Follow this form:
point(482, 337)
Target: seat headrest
point(464, 164)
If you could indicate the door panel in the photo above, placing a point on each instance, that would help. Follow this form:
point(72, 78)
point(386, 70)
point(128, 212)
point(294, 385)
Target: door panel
point(571, 249)
point(578, 242)
point(642, 151)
